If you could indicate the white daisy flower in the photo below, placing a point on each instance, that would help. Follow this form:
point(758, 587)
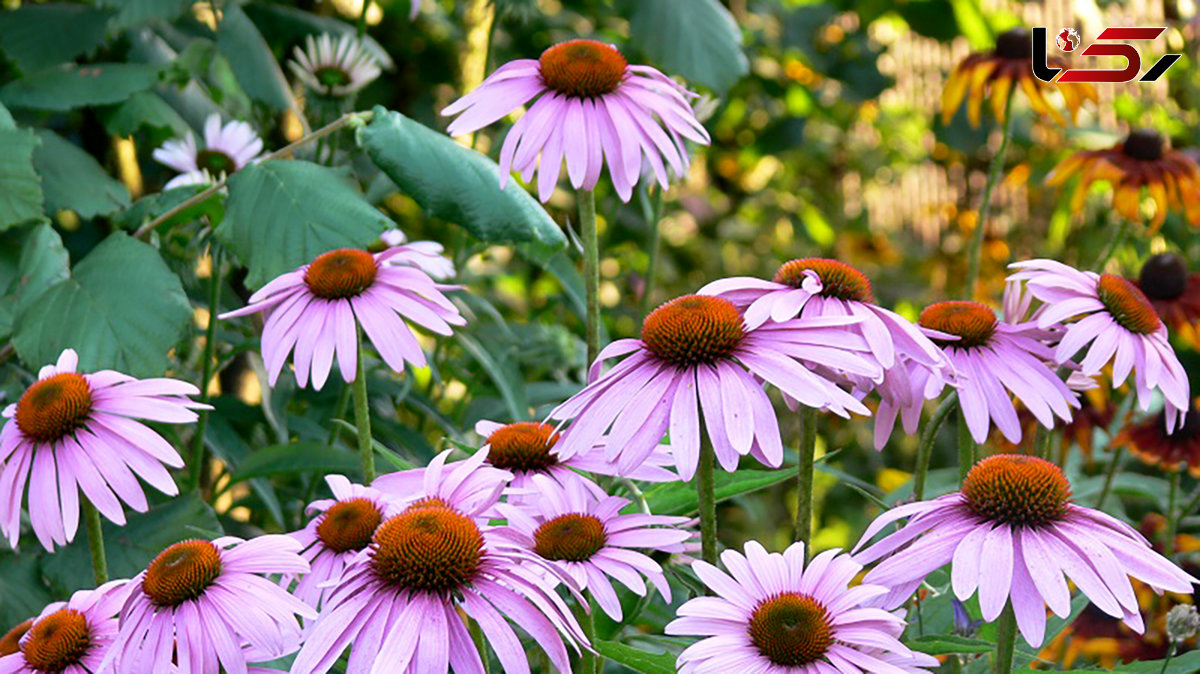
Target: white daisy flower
point(333, 68)
point(226, 149)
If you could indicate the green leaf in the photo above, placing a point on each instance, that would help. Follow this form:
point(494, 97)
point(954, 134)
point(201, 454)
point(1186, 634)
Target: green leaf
point(697, 39)
point(132, 547)
point(973, 24)
point(132, 13)
point(297, 457)
point(6, 119)
point(23, 593)
point(121, 308)
point(30, 261)
point(78, 86)
point(503, 372)
point(944, 644)
point(20, 186)
point(251, 58)
point(637, 659)
point(457, 184)
point(282, 214)
point(38, 36)
point(151, 206)
point(72, 179)
point(679, 498)
point(144, 109)
point(928, 18)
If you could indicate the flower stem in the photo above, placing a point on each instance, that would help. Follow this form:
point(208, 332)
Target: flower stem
point(362, 19)
point(1041, 442)
point(591, 270)
point(1172, 514)
point(985, 205)
point(196, 471)
point(480, 644)
point(589, 661)
point(966, 448)
point(1006, 639)
point(1167, 660)
point(1108, 477)
point(339, 411)
point(804, 477)
point(706, 495)
point(91, 520)
point(362, 415)
point(928, 437)
point(652, 212)
point(1113, 244)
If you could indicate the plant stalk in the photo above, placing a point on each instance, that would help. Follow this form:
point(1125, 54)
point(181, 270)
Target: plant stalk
point(95, 533)
point(1006, 639)
point(928, 437)
point(1172, 513)
point(196, 469)
point(985, 205)
point(652, 212)
point(1109, 475)
point(966, 448)
point(362, 415)
point(804, 478)
point(1113, 244)
point(591, 270)
point(707, 497)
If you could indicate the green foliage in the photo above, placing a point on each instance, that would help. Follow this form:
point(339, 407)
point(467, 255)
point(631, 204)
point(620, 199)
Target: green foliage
point(132, 13)
point(21, 198)
point(636, 659)
point(68, 87)
point(71, 179)
point(37, 36)
point(144, 109)
point(679, 498)
point(252, 61)
point(31, 260)
point(696, 38)
point(293, 458)
point(121, 308)
point(23, 593)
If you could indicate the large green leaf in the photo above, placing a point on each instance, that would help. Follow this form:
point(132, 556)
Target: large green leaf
point(132, 13)
point(944, 644)
point(251, 58)
point(504, 372)
point(636, 659)
point(143, 109)
point(282, 214)
point(153, 205)
point(72, 179)
point(78, 86)
point(679, 498)
point(38, 36)
point(697, 39)
point(23, 593)
point(457, 184)
point(122, 308)
point(297, 457)
point(30, 261)
point(20, 186)
point(131, 548)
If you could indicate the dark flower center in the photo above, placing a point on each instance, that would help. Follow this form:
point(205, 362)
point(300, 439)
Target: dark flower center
point(349, 525)
point(972, 322)
point(582, 68)
point(1144, 144)
point(430, 548)
point(840, 280)
point(693, 329)
point(791, 630)
point(1127, 305)
point(54, 407)
point(1018, 490)
point(1164, 276)
point(57, 641)
point(1016, 43)
point(182, 572)
point(11, 642)
point(523, 446)
point(330, 76)
point(573, 538)
point(341, 274)
point(1190, 428)
point(215, 162)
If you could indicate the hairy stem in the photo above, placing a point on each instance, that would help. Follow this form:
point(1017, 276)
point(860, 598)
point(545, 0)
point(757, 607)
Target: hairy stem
point(1172, 513)
point(1109, 475)
point(706, 495)
point(91, 520)
point(985, 205)
point(804, 477)
point(591, 270)
point(928, 437)
point(196, 469)
point(362, 416)
point(1006, 639)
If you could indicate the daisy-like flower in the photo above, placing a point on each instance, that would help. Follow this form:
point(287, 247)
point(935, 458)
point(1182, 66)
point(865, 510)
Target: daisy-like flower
point(73, 431)
point(399, 601)
point(593, 110)
point(471, 486)
point(993, 75)
point(424, 255)
point(770, 613)
point(1150, 442)
point(343, 527)
point(591, 541)
point(315, 311)
point(71, 636)
point(816, 287)
point(226, 149)
point(1012, 533)
point(527, 449)
point(334, 68)
point(1117, 321)
point(1141, 160)
point(1174, 292)
point(698, 347)
point(995, 360)
point(205, 605)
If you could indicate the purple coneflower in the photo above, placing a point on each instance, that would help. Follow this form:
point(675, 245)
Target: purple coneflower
point(771, 614)
point(1119, 323)
point(594, 110)
point(698, 347)
point(590, 540)
point(1012, 533)
point(227, 149)
point(343, 527)
point(816, 287)
point(527, 449)
point(205, 605)
point(424, 255)
point(71, 636)
point(316, 310)
point(72, 431)
point(399, 601)
point(469, 486)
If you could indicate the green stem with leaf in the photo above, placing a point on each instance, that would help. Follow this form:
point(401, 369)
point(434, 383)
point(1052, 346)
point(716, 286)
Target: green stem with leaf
point(928, 437)
point(985, 205)
point(95, 534)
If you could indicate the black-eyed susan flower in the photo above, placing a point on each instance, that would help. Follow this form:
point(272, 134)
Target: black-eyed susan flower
point(1142, 159)
point(1150, 441)
point(993, 75)
point(1174, 292)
